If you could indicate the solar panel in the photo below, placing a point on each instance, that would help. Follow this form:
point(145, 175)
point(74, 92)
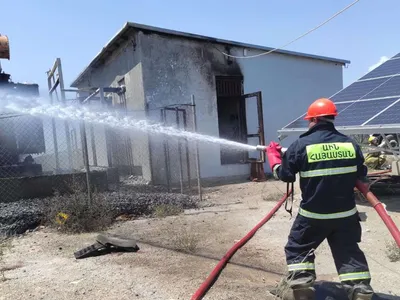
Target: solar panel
point(397, 55)
point(357, 90)
point(388, 68)
point(381, 87)
point(301, 123)
point(390, 116)
point(356, 113)
point(390, 88)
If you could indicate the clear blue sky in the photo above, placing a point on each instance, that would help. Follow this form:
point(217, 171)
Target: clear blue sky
point(75, 31)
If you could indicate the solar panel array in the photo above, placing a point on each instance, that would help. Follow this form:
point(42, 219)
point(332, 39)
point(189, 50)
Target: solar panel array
point(374, 99)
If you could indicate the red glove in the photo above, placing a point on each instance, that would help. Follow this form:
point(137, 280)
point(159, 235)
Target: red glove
point(274, 154)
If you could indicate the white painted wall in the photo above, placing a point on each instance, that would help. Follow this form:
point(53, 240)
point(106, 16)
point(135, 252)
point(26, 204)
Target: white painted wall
point(289, 85)
point(175, 68)
point(125, 63)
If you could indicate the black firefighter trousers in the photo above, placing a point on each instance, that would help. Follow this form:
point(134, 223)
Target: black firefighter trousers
point(343, 236)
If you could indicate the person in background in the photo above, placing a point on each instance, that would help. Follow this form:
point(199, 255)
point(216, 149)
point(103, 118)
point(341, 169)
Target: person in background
point(376, 159)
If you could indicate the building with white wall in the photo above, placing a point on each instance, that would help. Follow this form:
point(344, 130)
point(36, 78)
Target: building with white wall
point(161, 67)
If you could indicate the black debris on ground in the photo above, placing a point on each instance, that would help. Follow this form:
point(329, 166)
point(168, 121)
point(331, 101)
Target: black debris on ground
point(18, 217)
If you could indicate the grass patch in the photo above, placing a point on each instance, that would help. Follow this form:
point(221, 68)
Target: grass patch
point(165, 210)
point(272, 197)
point(73, 213)
point(186, 240)
point(393, 251)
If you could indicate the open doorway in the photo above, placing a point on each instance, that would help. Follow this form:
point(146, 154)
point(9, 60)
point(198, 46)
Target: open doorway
point(231, 117)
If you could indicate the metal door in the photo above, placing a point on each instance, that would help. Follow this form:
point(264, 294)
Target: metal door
point(260, 131)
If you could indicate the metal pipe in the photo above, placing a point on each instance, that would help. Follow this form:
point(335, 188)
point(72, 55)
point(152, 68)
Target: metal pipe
point(117, 90)
point(66, 124)
point(71, 90)
point(54, 130)
point(149, 143)
point(53, 68)
point(55, 85)
point(187, 151)
point(91, 96)
point(93, 142)
point(128, 141)
point(196, 149)
point(86, 160)
point(106, 130)
point(261, 123)
point(165, 144)
point(179, 152)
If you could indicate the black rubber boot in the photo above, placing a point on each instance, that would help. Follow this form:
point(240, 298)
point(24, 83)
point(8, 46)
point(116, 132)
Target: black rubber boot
point(359, 291)
point(295, 289)
point(303, 288)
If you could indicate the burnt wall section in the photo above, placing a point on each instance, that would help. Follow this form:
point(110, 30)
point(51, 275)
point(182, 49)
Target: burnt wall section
point(173, 69)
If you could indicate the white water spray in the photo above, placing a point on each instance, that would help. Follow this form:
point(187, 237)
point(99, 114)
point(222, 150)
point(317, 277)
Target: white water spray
point(80, 113)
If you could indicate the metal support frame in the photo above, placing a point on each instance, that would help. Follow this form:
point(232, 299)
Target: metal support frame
point(187, 153)
point(127, 140)
point(86, 160)
point(393, 150)
point(163, 116)
point(53, 125)
point(196, 148)
point(92, 97)
point(93, 143)
point(179, 151)
point(166, 148)
point(54, 80)
point(166, 152)
point(108, 146)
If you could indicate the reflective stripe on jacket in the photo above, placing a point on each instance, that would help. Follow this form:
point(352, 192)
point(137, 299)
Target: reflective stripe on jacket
point(329, 163)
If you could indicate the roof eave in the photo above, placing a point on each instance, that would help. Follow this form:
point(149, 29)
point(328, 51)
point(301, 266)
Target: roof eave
point(129, 25)
point(234, 43)
point(125, 28)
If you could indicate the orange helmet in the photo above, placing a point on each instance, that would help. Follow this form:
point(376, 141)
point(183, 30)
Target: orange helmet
point(320, 108)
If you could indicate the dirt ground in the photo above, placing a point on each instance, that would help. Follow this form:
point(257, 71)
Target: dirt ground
point(43, 265)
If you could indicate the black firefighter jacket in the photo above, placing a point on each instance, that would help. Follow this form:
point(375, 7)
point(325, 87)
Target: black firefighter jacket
point(329, 163)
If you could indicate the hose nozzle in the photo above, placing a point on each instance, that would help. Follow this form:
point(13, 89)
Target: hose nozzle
point(261, 148)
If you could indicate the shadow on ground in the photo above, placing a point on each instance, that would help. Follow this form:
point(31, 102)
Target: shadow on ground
point(326, 290)
point(210, 257)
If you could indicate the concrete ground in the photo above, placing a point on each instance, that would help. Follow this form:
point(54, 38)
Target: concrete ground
point(41, 264)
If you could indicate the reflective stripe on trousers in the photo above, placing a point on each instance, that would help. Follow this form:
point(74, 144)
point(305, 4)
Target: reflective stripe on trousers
point(354, 276)
point(301, 266)
point(328, 172)
point(338, 215)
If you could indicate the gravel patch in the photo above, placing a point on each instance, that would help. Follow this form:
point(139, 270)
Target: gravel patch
point(18, 217)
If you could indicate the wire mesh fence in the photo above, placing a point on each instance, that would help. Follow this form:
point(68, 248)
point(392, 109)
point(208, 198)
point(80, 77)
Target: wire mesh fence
point(41, 156)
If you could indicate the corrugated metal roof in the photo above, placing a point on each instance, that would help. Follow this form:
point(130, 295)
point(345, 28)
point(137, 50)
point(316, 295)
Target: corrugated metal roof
point(112, 44)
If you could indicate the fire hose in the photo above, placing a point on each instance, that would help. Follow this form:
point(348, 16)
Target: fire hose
point(208, 283)
point(362, 187)
point(380, 209)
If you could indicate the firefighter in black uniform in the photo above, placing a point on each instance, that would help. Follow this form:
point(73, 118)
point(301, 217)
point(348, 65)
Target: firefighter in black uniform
point(328, 163)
